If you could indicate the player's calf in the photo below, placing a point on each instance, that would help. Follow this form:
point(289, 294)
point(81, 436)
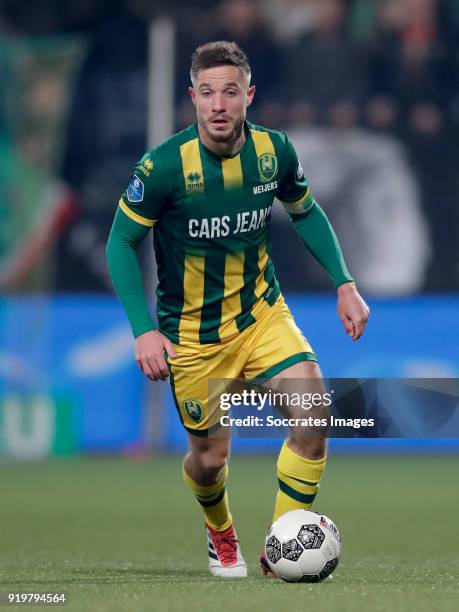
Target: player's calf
point(205, 471)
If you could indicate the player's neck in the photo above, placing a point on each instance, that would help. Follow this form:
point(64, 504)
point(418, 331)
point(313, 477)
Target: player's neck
point(222, 148)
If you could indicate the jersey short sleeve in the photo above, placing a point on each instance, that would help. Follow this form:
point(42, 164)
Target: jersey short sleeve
point(294, 191)
point(146, 195)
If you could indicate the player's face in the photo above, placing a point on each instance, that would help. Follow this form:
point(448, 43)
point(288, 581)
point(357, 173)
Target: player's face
point(221, 96)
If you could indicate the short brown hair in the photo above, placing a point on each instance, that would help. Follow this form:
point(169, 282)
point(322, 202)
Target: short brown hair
point(219, 53)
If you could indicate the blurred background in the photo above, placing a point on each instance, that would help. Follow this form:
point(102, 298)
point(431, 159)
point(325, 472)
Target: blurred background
point(369, 93)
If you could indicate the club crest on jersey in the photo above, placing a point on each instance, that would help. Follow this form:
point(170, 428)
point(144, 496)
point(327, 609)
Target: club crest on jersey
point(135, 189)
point(194, 409)
point(267, 166)
point(194, 182)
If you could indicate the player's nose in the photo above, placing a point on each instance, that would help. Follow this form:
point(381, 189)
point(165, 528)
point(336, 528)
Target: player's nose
point(219, 102)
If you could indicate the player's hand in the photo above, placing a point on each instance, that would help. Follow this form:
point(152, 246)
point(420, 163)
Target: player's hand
point(353, 312)
point(149, 354)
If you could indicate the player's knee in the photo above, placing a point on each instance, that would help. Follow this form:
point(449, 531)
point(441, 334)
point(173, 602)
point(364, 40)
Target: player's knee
point(212, 460)
point(210, 456)
point(311, 447)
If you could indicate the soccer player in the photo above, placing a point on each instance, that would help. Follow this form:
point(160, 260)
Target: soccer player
point(208, 192)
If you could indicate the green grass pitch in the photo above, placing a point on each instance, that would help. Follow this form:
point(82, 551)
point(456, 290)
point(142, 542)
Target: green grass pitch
point(125, 535)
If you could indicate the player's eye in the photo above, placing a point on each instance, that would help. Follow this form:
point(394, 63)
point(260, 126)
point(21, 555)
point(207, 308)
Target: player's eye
point(231, 92)
point(205, 93)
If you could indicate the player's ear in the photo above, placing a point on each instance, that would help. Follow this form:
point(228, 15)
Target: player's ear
point(192, 93)
point(250, 94)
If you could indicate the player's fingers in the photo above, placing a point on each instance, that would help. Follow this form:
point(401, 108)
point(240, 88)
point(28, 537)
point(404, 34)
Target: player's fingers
point(169, 348)
point(359, 326)
point(146, 368)
point(154, 367)
point(148, 365)
point(348, 326)
point(364, 318)
point(143, 365)
point(163, 368)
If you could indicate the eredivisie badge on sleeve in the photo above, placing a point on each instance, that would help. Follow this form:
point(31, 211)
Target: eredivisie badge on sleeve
point(135, 189)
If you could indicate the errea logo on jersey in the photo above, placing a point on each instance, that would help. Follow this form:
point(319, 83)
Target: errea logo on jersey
point(194, 182)
point(146, 167)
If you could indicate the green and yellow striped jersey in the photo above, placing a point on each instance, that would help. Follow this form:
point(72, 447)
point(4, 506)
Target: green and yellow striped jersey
point(211, 228)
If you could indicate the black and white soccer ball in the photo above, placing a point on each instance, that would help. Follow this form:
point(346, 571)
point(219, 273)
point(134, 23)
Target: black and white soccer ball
point(303, 546)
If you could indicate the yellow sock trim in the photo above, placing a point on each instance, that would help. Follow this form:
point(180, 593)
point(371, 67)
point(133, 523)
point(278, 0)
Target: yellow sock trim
point(213, 500)
point(298, 480)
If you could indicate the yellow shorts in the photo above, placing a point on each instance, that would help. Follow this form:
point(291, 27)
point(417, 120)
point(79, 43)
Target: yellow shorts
point(262, 350)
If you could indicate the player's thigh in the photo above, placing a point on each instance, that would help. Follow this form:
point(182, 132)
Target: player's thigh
point(303, 379)
point(308, 370)
point(277, 345)
point(283, 362)
point(197, 399)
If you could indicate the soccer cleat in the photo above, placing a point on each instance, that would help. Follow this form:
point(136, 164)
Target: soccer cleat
point(265, 569)
point(225, 557)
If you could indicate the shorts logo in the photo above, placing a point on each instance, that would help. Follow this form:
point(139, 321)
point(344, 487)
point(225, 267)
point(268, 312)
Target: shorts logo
point(194, 410)
point(267, 166)
point(135, 190)
point(300, 172)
